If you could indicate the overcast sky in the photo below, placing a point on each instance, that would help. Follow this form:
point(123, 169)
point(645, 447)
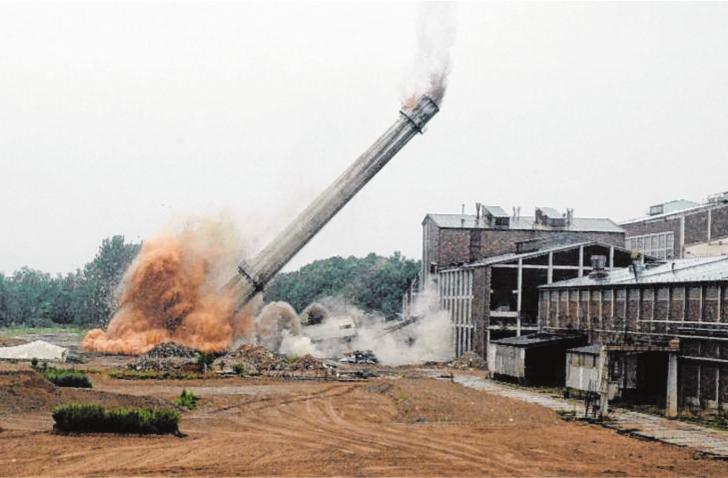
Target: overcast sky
point(121, 119)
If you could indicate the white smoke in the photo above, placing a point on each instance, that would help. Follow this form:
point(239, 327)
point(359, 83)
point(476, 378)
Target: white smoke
point(435, 38)
point(348, 329)
point(296, 345)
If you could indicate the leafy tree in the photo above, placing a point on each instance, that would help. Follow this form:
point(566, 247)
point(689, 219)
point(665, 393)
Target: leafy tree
point(373, 283)
point(84, 297)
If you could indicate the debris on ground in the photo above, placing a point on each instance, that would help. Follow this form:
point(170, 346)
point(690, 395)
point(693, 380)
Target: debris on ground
point(360, 356)
point(171, 349)
point(258, 360)
point(166, 357)
point(468, 360)
point(306, 362)
point(255, 360)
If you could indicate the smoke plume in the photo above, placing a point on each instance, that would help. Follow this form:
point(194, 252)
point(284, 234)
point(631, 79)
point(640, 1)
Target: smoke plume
point(435, 37)
point(172, 292)
point(348, 328)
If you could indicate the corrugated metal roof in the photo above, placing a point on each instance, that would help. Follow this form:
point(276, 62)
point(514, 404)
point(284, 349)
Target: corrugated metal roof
point(539, 338)
point(587, 349)
point(512, 256)
point(578, 224)
point(699, 269)
point(674, 212)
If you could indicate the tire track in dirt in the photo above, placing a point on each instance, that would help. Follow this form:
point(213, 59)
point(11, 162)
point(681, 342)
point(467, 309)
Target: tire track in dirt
point(322, 419)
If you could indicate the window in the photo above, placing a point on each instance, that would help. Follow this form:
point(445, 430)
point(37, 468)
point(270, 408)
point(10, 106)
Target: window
point(659, 209)
point(658, 245)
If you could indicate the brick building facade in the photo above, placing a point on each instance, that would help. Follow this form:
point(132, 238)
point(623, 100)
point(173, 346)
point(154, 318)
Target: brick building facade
point(681, 229)
point(454, 239)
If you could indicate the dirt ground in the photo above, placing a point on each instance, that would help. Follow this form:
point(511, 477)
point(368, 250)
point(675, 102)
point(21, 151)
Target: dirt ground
point(380, 427)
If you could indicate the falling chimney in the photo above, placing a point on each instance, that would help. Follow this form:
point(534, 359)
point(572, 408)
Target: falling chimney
point(252, 277)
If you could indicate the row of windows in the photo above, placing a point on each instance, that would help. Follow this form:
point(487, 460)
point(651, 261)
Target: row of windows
point(660, 245)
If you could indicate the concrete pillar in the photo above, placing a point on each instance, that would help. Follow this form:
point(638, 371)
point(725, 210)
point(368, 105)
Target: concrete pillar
point(550, 270)
point(671, 394)
point(603, 382)
point(611, 257)
point(519, 298)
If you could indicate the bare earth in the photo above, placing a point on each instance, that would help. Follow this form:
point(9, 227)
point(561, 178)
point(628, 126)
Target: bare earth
point(384, 427)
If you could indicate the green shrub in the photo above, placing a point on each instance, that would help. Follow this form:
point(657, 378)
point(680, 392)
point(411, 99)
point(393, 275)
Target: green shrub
point(66, 378)
point(240, 369)
point(90, 418)
point(204, 360)
point(187, 399)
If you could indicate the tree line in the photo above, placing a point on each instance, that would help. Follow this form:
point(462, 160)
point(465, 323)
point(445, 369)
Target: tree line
point(372, 283)
point(86, 297)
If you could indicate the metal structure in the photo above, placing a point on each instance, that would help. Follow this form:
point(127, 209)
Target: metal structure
point(252, 277)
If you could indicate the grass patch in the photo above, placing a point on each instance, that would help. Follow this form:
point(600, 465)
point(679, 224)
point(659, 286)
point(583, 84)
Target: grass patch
point(91, 418)
point(187, 399)
point(127, 374)
point(25, 330)
point(63, 377)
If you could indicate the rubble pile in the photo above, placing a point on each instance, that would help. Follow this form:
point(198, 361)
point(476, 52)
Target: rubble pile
point(171, 349)
point(360, 356)
point(256, 359)
point(468, 360)
point(306, 363)
point(166, 357)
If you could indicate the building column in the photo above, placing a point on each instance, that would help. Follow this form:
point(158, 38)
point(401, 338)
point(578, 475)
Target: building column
point(550, 271)
point(671, 394)
point(520, 294)
point(603, 382)
point(611, 257)
point(581, 261)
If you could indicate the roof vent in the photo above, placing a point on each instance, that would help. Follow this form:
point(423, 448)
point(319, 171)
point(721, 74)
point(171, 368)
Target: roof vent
point(599, 267)
point(548, 216)
point(496, 216)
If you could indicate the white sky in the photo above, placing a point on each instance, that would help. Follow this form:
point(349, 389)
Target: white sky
point(119, 119)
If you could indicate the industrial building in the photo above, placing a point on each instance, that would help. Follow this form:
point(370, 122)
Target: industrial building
point(487, 266)
point(681, 229)
point(450, 240)
point(653, 333)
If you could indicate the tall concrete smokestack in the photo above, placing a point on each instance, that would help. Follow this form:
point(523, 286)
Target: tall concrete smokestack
point(252, 277)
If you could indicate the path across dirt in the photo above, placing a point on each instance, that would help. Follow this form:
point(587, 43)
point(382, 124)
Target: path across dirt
point(386, 427)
